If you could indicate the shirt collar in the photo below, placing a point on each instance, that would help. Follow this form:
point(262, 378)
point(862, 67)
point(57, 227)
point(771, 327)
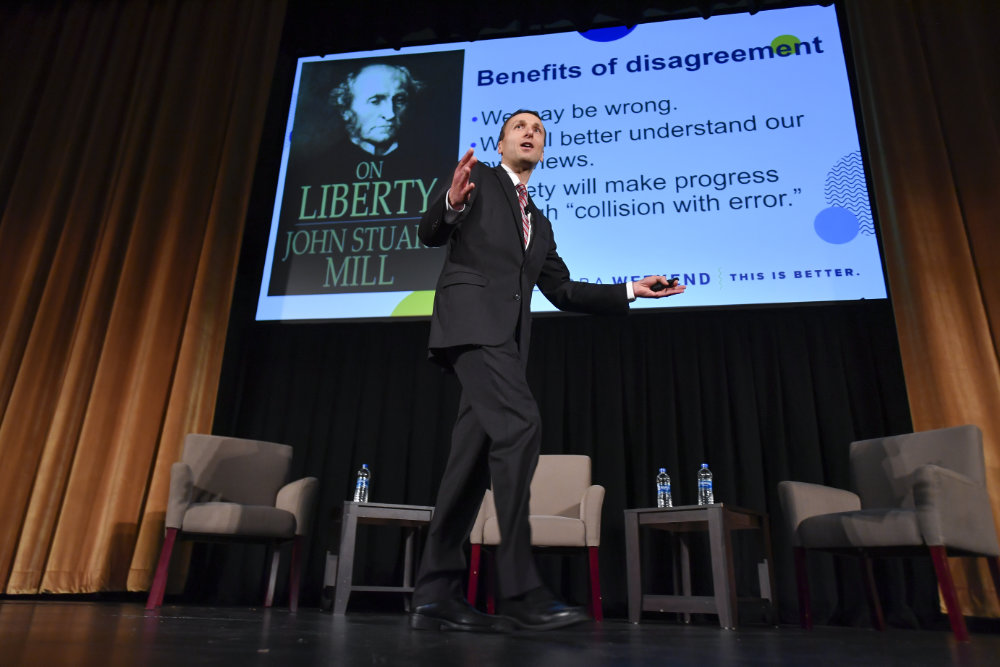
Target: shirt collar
point(513, 177)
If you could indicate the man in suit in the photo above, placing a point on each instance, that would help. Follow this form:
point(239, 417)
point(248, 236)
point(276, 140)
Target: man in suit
point(499, 247)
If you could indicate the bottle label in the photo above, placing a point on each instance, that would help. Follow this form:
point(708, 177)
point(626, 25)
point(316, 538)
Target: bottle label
point(361, 490)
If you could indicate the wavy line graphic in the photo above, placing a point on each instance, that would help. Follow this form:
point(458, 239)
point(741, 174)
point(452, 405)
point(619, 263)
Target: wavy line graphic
point(845, 187)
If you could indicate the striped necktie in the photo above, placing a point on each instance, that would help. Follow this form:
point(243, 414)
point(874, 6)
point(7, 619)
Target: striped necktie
point(522, 198)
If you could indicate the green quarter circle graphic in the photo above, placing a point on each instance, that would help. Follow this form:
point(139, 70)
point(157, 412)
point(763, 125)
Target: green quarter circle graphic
point(418, 303)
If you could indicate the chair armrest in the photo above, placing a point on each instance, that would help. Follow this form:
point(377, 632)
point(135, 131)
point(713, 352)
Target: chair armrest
point(486, 510)
point(954, 511)
point(299, 498)
point(590, 511)
point(801, 500)
point(181, 494)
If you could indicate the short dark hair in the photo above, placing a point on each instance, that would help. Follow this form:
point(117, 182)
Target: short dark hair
point(503, 128)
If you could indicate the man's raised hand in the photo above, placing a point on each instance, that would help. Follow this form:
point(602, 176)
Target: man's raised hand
point(461, 186)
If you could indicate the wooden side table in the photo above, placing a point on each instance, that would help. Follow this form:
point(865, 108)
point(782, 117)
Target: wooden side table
point(719, 520)
point(410, 517)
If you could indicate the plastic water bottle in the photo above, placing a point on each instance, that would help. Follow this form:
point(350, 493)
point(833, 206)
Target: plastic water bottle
point(705, 495)
point(663, 498)
point(361, 486)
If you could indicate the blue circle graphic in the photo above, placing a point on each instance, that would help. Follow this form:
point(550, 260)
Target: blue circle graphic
point(836, 225)
point(606, 34)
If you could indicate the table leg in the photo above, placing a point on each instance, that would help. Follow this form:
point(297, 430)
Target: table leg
point(685, 558)
point(408, 565)
point(723, 576)
point(345, 564)
point(769, 560)
point(633, 561)
point(675, 567)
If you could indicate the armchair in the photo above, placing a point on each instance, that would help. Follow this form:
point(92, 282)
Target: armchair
point(565, 512)
point(234, 489)
point(917, 493)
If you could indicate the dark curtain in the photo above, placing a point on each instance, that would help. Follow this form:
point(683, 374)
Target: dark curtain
point(762, 395)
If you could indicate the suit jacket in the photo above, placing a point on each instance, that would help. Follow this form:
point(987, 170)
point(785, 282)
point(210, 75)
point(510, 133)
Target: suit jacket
point(488, 276)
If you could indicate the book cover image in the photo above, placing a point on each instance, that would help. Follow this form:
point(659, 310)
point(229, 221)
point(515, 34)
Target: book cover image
point(372, 141)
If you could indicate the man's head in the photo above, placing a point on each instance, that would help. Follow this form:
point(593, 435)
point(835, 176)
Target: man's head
point(522, 140)
point(372, 101)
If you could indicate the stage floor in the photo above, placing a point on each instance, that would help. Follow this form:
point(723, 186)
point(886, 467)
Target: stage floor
point(52, 633)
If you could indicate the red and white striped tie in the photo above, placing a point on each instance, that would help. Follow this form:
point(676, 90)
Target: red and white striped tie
point(522, 198)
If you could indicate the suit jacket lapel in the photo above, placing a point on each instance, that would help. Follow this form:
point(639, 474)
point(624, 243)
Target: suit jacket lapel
point(515, 207)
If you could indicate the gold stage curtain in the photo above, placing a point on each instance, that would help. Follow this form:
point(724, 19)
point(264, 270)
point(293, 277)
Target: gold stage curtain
point(927, 73)
point(128, 140)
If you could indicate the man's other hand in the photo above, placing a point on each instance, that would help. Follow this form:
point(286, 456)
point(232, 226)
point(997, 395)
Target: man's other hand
point(655, 287)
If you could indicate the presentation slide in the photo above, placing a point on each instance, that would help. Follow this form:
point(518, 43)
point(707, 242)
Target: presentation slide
point(723, 152)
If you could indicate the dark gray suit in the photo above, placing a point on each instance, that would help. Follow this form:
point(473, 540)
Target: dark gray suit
point(480, 328)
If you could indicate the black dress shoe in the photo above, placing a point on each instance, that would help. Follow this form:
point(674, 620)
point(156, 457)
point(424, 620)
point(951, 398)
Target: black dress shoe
point(457, 614)
point(538, 609)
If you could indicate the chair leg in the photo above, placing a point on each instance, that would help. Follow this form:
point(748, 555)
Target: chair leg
point(272, 574)
point(159, 586)
point(294, 572)
point(874, 605)
point(940, 558)
point(596, 606)
point(474, 555)
point(802, 583)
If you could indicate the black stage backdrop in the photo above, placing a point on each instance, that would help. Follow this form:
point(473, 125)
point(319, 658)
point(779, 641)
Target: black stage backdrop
point(762, 395)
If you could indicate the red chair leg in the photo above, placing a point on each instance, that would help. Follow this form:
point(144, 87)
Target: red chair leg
point(474, 557)
point(596, 604)
point(272, 575)
point(874, 606)
point(159, 586)
point(947, 585)
point(802, 583)
point(294, 572)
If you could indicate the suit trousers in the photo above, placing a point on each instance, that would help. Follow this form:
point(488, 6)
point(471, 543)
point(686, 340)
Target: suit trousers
point(497, 436)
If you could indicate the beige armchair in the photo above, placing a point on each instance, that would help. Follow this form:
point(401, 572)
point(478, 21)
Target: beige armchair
point(234, 489)
point(917, 493)
point(565, 512)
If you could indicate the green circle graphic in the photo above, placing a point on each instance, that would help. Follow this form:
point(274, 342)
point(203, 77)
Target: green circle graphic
point(790, 40)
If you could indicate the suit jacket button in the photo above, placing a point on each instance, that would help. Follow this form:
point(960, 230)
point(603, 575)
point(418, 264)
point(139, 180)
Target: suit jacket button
point(517, 297)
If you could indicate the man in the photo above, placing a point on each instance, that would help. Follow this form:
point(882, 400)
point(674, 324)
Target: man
point(372, 103)
point(499, 247)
